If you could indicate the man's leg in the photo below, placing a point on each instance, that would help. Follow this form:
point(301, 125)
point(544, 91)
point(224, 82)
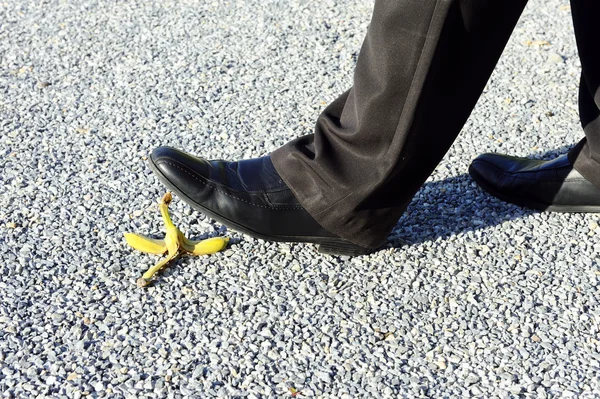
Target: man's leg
point(571, 182)
point(421, 69)
point(423, 65)
point(586, 155)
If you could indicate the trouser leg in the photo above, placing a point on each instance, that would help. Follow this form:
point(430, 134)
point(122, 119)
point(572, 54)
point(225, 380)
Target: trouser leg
point(421, 69)
point(586, 155)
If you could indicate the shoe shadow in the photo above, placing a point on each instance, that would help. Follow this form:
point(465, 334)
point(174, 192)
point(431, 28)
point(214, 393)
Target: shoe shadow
point(456, 205)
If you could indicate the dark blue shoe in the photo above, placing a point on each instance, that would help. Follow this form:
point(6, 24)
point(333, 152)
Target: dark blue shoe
point(249, 196)
point(545, 185)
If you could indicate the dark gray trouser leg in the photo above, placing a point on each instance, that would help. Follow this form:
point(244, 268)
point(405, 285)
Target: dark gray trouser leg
point(422, 67)
point(586, 155)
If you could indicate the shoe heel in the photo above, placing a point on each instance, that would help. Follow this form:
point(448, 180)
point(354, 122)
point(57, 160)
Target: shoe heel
point(344, 248)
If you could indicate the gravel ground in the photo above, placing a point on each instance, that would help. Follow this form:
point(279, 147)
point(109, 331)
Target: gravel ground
point(472, 297)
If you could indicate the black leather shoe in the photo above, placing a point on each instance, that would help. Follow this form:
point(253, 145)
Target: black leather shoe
point(545, 185)
point(248, 196)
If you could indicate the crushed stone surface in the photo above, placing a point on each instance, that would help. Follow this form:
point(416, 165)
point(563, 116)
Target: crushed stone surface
point(471, 297)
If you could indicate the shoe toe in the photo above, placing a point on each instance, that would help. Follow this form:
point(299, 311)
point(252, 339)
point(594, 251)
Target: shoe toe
point(488, 170)
point(163, 155)
point(180, 171)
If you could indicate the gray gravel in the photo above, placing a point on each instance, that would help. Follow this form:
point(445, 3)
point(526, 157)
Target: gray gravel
point(472, 297)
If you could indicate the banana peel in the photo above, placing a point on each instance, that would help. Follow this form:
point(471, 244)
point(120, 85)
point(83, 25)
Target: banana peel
point(174, 244)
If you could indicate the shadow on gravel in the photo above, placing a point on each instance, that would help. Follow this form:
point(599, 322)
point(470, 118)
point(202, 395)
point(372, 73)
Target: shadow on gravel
point(456, 205)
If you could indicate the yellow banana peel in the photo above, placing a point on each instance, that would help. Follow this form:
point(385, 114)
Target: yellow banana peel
point(174, 243)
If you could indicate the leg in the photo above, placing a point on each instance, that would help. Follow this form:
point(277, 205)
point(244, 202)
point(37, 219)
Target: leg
point(421, 70)
point(586, 155)
point(569, 183)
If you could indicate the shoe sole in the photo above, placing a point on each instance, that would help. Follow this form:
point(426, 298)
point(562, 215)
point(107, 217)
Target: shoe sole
point(532, 204)
point(326, 245)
